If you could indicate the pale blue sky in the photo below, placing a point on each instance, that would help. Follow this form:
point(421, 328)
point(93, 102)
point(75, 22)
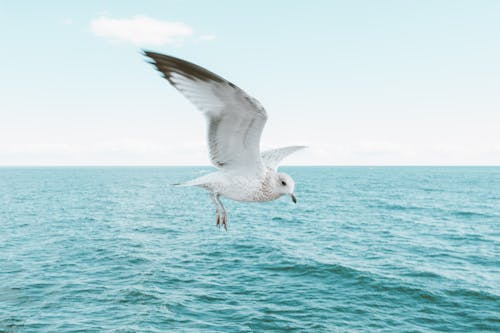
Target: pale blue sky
point(359, 82)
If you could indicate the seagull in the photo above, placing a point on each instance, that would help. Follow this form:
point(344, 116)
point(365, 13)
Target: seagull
point(235, 121)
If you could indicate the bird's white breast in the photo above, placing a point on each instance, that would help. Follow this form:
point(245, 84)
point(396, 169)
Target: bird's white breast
point(242, 188)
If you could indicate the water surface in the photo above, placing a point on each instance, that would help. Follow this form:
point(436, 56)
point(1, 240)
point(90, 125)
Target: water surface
point(365, 250)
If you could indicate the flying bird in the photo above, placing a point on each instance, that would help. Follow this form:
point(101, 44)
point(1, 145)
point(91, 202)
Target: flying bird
point(235, 122)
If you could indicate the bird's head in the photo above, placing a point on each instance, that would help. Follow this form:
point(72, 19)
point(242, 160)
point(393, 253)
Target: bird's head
point(285, 185)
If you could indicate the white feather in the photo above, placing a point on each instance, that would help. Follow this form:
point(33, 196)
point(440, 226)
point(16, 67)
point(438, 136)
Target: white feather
point(234, 119)
point(273, 157)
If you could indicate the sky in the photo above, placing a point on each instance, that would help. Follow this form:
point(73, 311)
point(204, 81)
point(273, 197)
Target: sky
point(358, 82)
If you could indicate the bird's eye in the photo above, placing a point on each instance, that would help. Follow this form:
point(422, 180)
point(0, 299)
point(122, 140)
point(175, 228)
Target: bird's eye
point(283, 183)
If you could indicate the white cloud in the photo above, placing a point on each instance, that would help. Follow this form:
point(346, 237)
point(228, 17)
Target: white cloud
point(141, 30)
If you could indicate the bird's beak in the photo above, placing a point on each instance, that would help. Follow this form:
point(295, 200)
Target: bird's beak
point(294, 199)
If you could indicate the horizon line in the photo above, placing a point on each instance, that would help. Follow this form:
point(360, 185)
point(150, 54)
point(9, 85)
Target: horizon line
point(211, 166)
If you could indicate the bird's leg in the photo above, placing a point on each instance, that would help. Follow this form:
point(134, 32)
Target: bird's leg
point(218, 220)
point(224, 215)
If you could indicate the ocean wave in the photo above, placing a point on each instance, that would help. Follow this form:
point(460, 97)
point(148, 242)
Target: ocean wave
point(394, 206)
point(313, 269)
point(430, 189)
point(423, 275)
point(469, 214)
point(134, 295)
point(479, 295)
point(359, 278)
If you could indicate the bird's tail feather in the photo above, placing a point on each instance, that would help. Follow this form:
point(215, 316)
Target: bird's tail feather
point(193, 182)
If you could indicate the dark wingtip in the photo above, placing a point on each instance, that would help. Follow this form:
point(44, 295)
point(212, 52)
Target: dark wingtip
point(155, 55)
point(150, 59)
point(150, 54)
point(168, 64)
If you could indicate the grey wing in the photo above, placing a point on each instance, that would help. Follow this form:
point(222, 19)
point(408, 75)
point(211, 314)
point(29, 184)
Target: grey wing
point(235, 120)
point(273, 157)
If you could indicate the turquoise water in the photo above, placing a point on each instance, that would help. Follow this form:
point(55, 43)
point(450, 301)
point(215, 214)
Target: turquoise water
point(395, 249)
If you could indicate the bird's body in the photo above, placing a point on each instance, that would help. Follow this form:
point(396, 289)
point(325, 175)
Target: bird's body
point(235, 122)
point(237, 187)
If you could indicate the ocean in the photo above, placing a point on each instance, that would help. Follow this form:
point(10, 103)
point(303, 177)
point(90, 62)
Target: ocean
point(366, 249)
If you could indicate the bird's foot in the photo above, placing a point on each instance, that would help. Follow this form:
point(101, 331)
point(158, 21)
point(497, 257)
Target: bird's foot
point(224, 221)
point(218, 220)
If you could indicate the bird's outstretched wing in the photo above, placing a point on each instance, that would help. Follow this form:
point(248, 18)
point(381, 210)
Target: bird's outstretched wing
point(273, 157)
point(235, 120)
